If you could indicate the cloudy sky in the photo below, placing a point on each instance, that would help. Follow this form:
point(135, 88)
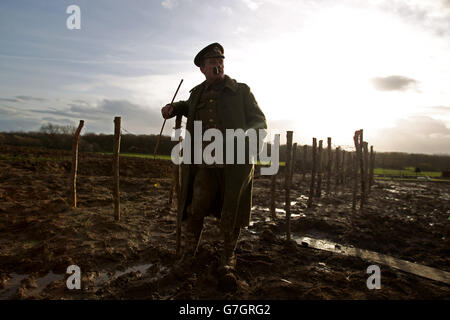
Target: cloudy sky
point(321, 68)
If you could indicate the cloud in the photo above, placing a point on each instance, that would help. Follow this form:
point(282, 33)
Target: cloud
point(29, 98)
point(226, 10)
point(393, 83)
point(252, 5)
point(9, 100)
point(169, 4)
point(441, 108)
point(22, 98)
point(433, 16)
point(419, 134)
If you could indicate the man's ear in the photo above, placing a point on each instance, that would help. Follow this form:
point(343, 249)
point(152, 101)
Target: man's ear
point(202, 68)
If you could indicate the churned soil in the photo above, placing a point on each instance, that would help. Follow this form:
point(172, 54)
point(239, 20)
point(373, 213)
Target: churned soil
point(41, 236)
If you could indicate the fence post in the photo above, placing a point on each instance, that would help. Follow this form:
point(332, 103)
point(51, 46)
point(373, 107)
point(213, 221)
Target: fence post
point(313, 173)
point(319, 170)
point(355, 173)
point(329, 161)
point(74, 169)
point(273, 184)
point(305, 151)
point(337, 169)
point(343, 168)
point(287, 184)
point(294, 157)
point(372, 166)
point(116, 193)
point(366, 167)
point(362, 171)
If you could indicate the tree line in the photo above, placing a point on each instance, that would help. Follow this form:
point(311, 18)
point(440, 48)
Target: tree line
point(53, 136)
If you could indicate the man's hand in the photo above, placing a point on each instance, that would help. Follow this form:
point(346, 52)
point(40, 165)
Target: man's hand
point(168, 111)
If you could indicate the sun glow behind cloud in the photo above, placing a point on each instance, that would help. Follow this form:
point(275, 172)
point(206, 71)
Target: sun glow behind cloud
point(319, 76)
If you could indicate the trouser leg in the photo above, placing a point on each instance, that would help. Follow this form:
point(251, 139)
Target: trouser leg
point(204, 195)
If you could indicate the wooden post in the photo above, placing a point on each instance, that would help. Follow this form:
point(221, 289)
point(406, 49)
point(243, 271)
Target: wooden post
point(273, 184)
point(305, 152)
point(372, 166)
point(319, 170)
point(313, 173)
point(337, 169)
point(116, 151)
point(287, 184)
point(329, 161)
point(366, 166)
point(74, 169)
point(294, 151)
point(362, 171)
point(343, 168)
point(355, 170)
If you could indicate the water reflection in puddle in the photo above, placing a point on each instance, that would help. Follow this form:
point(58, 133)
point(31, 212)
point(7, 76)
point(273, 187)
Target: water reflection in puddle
point(414, 268)
point(15, 281)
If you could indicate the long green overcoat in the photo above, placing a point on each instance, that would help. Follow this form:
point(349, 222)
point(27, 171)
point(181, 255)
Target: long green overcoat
point(237, 109)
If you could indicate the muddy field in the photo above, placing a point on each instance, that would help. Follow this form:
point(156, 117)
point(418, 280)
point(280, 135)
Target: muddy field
point(132, 259)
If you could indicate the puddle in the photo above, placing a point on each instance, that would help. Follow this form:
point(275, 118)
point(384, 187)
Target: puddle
point(104, 276)
point(403, 265)
point(14, 283)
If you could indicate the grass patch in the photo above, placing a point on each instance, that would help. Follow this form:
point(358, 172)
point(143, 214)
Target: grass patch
point(409, 172)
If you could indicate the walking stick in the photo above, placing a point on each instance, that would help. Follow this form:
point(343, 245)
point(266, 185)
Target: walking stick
point(177, 190)
point(159, 137)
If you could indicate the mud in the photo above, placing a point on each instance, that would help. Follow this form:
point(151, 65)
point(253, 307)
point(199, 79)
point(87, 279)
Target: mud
point(133, 259)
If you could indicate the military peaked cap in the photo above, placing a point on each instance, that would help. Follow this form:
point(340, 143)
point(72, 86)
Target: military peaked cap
point(214, 50)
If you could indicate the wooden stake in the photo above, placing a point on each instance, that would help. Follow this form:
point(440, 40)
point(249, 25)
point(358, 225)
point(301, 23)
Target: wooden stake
point(355, 174)
point(293, 159)
point(305, 151)
point(361, 167)
point(372, 166)
point(116, 151)
point(319, 170)
point(74, 169)
point(313, 173)
point(366, 167)
point(329, 161)
point(273, 183)
point(337, 168)
point(287, 183)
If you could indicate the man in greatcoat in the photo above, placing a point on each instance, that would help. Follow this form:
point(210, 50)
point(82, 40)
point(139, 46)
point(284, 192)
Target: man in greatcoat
point(223, 190)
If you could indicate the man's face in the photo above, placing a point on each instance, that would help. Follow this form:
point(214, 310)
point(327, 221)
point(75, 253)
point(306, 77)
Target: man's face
point(208, 69)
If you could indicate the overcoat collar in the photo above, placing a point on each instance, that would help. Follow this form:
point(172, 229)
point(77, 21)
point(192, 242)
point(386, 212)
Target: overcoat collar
point(229, 83)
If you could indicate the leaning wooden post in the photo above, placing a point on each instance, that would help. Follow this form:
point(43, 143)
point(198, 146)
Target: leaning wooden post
point(319, 170)
point(305, 151)
point(313, 173)
point(73, 175)
point(366, 166)
point(372, 167)
point(329, 159)
point(287, 184)
point(116, 192)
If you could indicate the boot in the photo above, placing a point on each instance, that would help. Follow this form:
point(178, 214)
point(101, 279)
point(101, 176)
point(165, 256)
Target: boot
point(228, 257)
point(192, 234)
